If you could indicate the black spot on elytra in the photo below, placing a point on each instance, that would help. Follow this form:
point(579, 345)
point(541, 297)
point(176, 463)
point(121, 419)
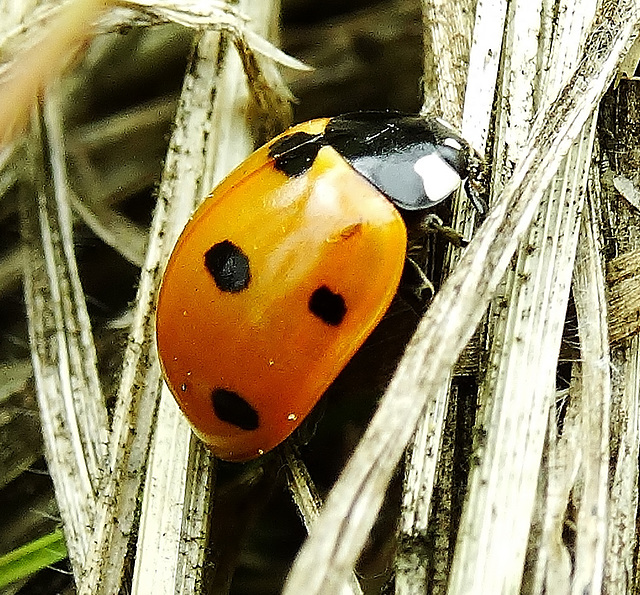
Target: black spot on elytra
point(232, 408)
point(229, 266)
point(327, 305)
point(293, 155)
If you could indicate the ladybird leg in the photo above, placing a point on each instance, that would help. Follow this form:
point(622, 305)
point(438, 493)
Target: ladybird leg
point(476, 185)
point(477, 197)
point(415, 287)
point(432, 223)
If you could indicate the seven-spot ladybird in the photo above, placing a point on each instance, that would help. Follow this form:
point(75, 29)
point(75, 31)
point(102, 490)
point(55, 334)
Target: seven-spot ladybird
point(288, 266)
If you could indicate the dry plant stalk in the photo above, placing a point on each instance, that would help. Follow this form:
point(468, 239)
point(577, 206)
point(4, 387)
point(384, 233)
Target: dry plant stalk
point(343, 525)
point(171, 542)
point(173, 537)
point(620, 220)
point(447, 28)
point(74, 418)
point(526, 321)
point(100, 491)
point(176, 501)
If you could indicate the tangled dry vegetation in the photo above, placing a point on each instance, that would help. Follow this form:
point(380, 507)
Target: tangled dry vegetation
point(503, 452)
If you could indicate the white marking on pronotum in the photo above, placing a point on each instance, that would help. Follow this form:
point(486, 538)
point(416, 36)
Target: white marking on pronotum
point(438, 177)
point(453, 143)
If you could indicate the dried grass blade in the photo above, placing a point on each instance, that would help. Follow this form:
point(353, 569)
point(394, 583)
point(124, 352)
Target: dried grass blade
point(338, 536)
point(74, 418)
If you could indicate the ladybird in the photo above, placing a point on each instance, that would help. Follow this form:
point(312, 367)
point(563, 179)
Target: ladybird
point(289, 264)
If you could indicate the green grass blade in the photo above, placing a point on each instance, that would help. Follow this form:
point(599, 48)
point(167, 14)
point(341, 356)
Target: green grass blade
point(32, 557)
